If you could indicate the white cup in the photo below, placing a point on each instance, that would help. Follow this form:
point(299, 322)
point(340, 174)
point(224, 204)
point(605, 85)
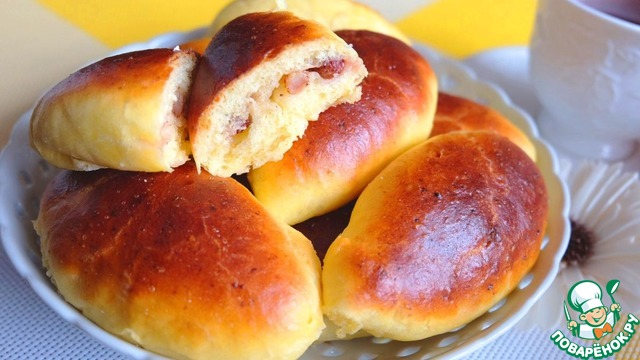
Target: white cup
point(585, 71)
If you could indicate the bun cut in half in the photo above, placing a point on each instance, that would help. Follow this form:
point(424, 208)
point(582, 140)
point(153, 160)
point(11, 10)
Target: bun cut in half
point(437, 238)
point(184, 264)
point(351, 143)
point(262, 77)
point(124, 112)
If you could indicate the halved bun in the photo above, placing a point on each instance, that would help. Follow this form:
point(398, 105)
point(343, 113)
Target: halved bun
point(123, 112)
point(261, 79)
point(351, 143)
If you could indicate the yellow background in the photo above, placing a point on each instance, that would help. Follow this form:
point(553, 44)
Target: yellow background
point(456, 27)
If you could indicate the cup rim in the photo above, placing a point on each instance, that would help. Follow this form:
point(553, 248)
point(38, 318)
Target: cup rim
point(614, 20)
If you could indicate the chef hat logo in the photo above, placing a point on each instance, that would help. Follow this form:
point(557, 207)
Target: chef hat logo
point(585, 295)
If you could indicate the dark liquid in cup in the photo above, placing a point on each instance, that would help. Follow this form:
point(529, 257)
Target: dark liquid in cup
point(628, 10)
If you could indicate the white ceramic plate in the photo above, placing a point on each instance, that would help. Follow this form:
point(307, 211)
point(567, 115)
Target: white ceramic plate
point(24, 175)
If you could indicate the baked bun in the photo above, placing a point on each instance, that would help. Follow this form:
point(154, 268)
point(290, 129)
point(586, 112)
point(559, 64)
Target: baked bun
point(261, 79)
point(441, 235)
point(184, 264)
point(455, 113)
point(335, 14)
point(123, 112)
point(351, 143)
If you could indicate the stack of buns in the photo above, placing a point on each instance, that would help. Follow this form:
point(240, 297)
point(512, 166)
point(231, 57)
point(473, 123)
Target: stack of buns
point(196, 179)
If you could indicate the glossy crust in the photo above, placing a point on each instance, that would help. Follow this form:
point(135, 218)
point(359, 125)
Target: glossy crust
point(245, 44)
point(455, 113)
point(168, 261)
point(124, 112)
point(441, 235)
point(335, 14)
point(351, 143)
point(244, 109)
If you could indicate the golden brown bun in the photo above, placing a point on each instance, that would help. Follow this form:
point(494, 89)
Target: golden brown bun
point(442, 234)
point(455, 113)
point(123, 112)
point(184, 264)
point(335, 14)
point(261, 79)
point(351, 143)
